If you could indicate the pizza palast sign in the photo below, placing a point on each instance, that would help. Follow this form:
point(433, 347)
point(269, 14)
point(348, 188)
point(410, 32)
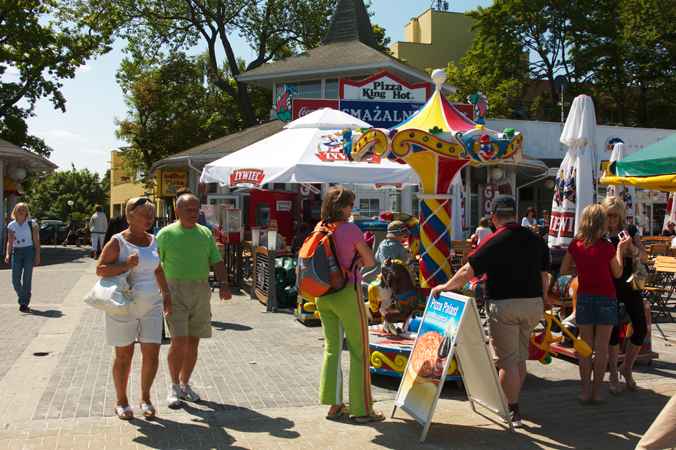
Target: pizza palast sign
point(384, 87)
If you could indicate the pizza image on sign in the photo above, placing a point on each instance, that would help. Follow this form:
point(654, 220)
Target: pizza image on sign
point(429, 359)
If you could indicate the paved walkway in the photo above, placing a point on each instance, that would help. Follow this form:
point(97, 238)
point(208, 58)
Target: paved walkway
point(259, 375)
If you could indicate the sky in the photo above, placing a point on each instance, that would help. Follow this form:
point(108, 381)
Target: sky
point(84, 135)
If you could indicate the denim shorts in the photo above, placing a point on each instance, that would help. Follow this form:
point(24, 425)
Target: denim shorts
point(595, 310)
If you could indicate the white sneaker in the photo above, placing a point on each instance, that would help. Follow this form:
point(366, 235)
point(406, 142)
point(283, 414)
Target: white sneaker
point(188, 394)
point(174, 396)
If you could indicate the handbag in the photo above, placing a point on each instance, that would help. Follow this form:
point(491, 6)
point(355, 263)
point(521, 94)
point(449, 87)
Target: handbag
point(111, 295)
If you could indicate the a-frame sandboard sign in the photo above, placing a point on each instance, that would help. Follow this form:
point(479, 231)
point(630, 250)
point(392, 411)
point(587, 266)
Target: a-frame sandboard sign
point(450, 327)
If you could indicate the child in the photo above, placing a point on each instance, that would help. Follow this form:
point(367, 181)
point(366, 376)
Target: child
point(392, 247)
point(482, 231)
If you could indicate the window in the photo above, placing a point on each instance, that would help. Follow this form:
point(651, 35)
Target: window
point(331, 89)
point(369, 207)
point(308, 89)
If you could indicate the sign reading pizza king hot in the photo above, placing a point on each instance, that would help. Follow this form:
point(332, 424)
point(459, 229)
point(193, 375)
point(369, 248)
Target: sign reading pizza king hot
point(383, 100)
point(384, 86)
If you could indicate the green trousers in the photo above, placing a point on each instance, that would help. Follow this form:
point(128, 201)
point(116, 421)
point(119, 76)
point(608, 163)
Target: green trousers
point(344, 313)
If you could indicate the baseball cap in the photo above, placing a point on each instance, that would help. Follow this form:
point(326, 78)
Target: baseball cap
point(396, 228)
point(504, 204)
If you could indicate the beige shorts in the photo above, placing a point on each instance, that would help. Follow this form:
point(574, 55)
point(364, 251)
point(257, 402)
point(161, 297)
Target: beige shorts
point(190, 308)
point(511, 322)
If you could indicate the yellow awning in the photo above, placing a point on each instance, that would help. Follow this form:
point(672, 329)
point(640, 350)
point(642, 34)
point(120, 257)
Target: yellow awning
point(657, 183)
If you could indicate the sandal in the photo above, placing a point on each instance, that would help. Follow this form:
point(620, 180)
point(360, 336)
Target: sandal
point(124, 412)
point(630, 383)
point(615, 388)
point(339, 414)
point(374, 416)
point(148, 410)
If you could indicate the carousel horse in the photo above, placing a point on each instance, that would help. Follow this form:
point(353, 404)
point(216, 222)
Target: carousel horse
point(394, 297)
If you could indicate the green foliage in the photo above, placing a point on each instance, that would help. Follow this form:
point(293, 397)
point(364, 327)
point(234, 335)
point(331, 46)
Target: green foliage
point(272, 28)
point(495, 65)
point(172, 107)
point(48, 197)
point(620, 51)
point(382, 40)
point(39, 47)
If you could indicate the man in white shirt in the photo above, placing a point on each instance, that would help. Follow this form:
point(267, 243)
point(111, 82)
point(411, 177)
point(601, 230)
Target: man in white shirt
point(98, 225)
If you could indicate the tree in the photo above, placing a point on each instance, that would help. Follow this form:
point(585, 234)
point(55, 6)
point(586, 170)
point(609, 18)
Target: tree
point(38, 49)
point(382, 40)
point(49, 196)
point(172, 107)
point(272, 28)
point(495, 65)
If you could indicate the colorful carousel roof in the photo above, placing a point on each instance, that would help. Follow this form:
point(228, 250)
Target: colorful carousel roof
point(438, 113)
point(441, 128)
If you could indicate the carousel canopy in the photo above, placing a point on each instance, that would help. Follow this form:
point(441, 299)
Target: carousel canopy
point(653, 167)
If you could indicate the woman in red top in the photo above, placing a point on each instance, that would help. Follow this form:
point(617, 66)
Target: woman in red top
point(597, 263)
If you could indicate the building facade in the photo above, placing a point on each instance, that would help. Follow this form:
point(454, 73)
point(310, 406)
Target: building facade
point(435, 38)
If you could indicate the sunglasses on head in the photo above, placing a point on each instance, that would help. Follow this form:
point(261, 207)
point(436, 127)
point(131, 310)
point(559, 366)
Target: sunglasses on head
point(139, 202)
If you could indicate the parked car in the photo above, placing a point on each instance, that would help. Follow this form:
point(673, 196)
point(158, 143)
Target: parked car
point(52, 231)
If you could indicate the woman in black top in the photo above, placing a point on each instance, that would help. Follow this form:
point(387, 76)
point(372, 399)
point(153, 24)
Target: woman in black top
point(632, 300)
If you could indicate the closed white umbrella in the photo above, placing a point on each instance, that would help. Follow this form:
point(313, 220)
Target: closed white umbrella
point(575, 182)
point(457, 208)
point(626, 193)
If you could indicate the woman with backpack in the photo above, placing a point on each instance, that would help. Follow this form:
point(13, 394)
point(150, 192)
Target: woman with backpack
point(23, 246)
point(343, 311)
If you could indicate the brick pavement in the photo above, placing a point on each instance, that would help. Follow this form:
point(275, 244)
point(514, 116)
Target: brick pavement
point(259, 375)
point(254, 360)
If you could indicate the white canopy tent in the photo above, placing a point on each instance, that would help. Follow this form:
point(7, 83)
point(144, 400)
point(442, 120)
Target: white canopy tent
point(308, 150)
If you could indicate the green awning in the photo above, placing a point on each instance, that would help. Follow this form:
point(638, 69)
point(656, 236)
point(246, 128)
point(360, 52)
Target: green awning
point(656, 159)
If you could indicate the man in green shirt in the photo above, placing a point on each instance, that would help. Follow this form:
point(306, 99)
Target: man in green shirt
point(187, 251)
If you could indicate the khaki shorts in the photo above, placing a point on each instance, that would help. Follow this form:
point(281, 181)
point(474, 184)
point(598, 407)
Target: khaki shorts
point(511, 322)
point(190, 308)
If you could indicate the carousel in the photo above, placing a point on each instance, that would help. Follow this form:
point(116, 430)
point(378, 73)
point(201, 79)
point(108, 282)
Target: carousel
point(437, 142)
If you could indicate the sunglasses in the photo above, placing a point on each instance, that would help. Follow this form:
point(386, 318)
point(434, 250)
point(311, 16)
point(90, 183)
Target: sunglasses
point(139, 202)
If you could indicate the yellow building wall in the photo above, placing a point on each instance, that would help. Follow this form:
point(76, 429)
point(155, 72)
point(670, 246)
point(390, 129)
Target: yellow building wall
point(435, 38)
point(122, 185)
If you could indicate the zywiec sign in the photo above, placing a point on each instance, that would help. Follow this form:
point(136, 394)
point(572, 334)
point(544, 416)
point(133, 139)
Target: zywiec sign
point(380, 114)
point(250, 177)
point(172, 181)
point(304, 106)
point(384, 86)
point(562, 224)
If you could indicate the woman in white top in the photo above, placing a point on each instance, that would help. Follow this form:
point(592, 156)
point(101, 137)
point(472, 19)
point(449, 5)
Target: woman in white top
point(530, 221)
point(482, 231)
point(135, 251)
point(23, 246)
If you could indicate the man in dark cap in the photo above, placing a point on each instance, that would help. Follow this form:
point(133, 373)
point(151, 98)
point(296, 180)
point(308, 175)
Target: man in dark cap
point(515, 261)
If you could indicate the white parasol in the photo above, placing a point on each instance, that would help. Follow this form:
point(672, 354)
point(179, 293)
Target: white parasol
point(626, 193)
point(575, 182)
point(311, 149)
point(457, 218)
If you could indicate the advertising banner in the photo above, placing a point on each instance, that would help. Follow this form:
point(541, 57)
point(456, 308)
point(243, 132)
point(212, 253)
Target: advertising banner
point(172, 181)
point(450, 327)
point(432, 352)
point(380, 114)
point(562, 219)
point(384, 86)
point(304, 106)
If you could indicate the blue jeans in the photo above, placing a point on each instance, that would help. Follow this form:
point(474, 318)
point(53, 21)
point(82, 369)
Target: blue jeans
point(22, 272)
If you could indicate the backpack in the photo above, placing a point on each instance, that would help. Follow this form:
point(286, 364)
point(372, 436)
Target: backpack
point(319, 271)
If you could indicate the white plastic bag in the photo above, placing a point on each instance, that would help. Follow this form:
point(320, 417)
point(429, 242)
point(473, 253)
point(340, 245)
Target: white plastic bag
point(111, 295)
